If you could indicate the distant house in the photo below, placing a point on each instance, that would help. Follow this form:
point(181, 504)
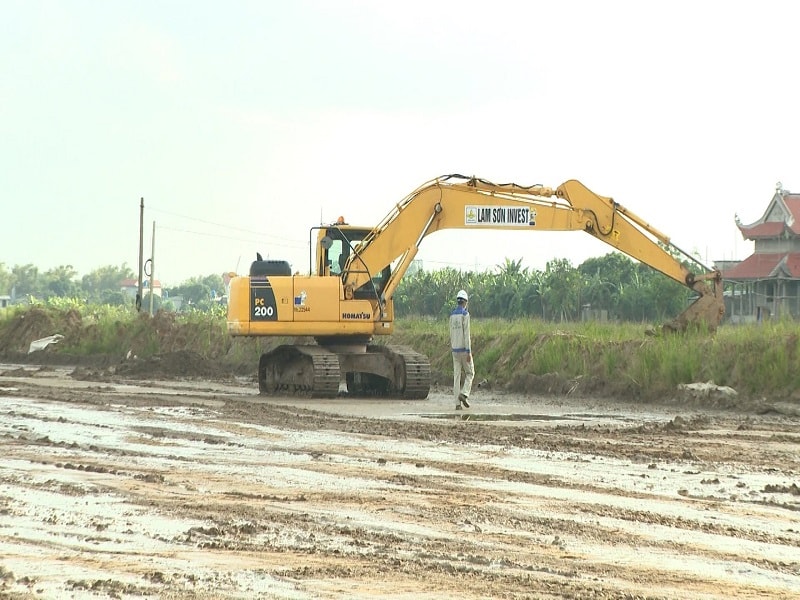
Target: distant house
point(767, 283)
point(5, 301)
point(130, 287)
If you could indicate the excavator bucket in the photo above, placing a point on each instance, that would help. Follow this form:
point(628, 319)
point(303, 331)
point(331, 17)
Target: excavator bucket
point(704, 313)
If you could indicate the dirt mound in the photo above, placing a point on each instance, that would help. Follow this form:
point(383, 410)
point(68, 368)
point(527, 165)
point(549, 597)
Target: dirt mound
point(178, 364)
point(35, 324)
point(181, 364)
point(25, 328)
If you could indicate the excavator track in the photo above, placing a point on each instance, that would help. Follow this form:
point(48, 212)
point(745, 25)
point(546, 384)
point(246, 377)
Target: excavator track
point(417, 371)
point(388, 372)
point(308, 371)
point(315, 372)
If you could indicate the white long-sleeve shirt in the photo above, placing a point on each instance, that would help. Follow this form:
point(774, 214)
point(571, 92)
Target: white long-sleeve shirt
point(460, 339)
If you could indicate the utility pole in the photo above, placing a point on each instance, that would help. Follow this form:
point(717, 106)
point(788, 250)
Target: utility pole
point(141, 255)
point(152, 267)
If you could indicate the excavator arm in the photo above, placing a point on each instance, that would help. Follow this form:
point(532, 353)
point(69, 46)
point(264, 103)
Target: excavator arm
point(458, 202)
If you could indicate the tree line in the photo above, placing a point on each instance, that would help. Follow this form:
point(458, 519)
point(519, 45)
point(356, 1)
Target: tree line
point(624, 289)
point(101, 286)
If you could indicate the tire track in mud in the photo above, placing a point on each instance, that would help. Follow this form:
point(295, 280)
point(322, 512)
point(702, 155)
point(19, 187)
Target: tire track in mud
point(104, 492)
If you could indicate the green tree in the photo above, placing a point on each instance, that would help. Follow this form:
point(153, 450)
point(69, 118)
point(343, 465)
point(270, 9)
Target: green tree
point(531, 295)
point(25, 280)
point(614, 267)
point(101, 284)
point(632, 302)
point(200, 292)
point(114, 298)
point(157, 303)
point(505, 299)
point(561, 292)
point(600, 293)
point(60, 281)
point(5, 280)
point(665, 297)
point(629, 290)
point(216, 287)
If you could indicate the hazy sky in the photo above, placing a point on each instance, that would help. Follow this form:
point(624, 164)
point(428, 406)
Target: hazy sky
point(243, 124)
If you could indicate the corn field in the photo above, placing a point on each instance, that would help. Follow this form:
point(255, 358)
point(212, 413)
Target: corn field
point(625, 290)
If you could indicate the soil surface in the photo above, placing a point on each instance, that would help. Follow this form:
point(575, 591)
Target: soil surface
point(164, 483)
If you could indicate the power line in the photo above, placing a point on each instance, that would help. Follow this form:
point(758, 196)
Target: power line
point(214, 224)
point(238, 239)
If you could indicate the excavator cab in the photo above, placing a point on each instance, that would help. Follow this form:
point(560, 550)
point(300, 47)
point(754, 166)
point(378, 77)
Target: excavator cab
point(336, 243)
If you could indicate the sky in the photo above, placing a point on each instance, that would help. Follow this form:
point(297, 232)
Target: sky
point(241, 125)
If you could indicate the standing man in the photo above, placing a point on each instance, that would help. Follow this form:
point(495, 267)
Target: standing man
point(462, 353)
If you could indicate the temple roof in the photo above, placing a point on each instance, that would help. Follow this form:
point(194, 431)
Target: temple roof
point(763, 266)
point(782, 215)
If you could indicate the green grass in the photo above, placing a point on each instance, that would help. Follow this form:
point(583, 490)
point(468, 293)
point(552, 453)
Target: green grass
point(756, 360)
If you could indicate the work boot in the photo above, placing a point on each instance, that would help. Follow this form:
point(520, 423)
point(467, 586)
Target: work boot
point(462, 400)
point(458, 406)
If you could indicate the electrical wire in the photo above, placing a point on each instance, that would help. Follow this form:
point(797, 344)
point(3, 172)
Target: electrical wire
point(261, 234)
point(238, 239)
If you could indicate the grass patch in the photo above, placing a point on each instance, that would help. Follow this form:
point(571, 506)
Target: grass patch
point(756, 360)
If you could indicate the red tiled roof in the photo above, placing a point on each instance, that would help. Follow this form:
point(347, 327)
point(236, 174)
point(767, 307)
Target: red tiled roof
point(762, 266)
point(770, 229)
point(793, 204)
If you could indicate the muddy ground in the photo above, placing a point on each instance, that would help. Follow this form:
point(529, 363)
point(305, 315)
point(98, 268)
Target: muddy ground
point(148, 485)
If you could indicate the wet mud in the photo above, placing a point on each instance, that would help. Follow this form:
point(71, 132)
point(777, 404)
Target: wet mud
point(197, 488)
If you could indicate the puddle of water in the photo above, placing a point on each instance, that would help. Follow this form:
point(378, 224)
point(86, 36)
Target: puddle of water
point(179, 388)
point(498, 417)
point(82, 426)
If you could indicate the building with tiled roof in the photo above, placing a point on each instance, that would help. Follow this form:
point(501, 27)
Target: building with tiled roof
point(767, 283)
point(130, 287)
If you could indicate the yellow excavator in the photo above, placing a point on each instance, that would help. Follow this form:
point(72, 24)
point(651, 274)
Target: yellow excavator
point(347, 299)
